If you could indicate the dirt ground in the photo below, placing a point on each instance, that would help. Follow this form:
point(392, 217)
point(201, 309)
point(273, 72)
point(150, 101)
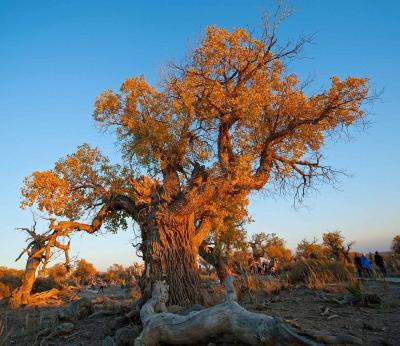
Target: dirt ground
point(374, 324)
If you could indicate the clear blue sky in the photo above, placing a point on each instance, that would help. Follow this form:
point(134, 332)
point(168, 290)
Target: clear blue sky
point(56, 56)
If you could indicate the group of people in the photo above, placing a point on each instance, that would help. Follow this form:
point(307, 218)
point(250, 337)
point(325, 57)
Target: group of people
point(268, 267)
point(364, 265)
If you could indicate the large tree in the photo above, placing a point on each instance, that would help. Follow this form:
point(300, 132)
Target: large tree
point(229, 121)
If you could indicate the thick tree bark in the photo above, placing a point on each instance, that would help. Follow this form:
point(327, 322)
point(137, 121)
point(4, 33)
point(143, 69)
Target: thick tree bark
point(170, 255)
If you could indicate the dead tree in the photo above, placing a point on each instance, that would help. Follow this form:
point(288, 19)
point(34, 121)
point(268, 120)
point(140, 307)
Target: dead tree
point(39, 251)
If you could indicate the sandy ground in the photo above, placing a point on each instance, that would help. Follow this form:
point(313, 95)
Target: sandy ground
point(313, 310)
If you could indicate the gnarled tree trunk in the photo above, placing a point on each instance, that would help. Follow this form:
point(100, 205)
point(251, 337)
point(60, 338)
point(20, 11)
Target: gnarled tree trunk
point(170, 254)
point(21, 295)
point(39, 252)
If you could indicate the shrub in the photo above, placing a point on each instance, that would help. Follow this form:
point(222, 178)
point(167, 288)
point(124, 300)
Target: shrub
point(4, 291)
point(135, 293)
point(11, 277)
point(393, 265)
point(45, 284)
point(58, 272)
point(255, 287)
point(316, 273)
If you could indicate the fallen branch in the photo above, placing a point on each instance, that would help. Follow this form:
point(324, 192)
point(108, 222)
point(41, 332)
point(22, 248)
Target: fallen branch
point(44, 295)
point(325, 338)
point(102, 313)
point(228, 318)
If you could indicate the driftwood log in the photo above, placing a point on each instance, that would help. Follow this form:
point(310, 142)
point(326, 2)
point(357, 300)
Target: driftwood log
point(228, 319)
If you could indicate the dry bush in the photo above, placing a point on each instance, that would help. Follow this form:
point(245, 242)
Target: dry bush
point(11, 277)
point(4, 291)
point(358, 294)
point(393, 264)
point(255, 286)
point(212, 294)
point(135, 293)
point(317, 273)
point(58, 272)
point(45, 284)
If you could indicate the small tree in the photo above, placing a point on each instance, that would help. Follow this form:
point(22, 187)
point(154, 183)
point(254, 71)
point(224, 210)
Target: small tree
point(58, 272)
point(116, 274)
point(226, 237)
point(84, 272)
point(270, 246)
point(134, 272)
point(334, 247)
point(396, 245)
point(309, 249)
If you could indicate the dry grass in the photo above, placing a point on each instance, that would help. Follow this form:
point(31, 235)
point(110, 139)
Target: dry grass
point(9, 280)
point(5, 332)
point(5, 291)
point(393, 264)
point(255, 287)
point(317, 274)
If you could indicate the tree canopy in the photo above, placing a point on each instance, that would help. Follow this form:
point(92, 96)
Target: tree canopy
point(233, 108)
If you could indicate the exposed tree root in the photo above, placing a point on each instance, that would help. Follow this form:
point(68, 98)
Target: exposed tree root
point(43, 296)
point(325, 338)
point(32, 300)
point(228, 318)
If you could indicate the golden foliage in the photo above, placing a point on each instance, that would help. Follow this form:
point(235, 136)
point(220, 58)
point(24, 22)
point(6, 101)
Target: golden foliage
point(58, 272)
point(77, 183)
point(233, 81)
point(270, 246)
point(309, 249)
point(84, 272)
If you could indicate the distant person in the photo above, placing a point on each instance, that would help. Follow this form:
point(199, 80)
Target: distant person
point(366, 265)
point(265, 268)
point(357, 263)
point(101, 287)
point(273, 272)
point(379, 261)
